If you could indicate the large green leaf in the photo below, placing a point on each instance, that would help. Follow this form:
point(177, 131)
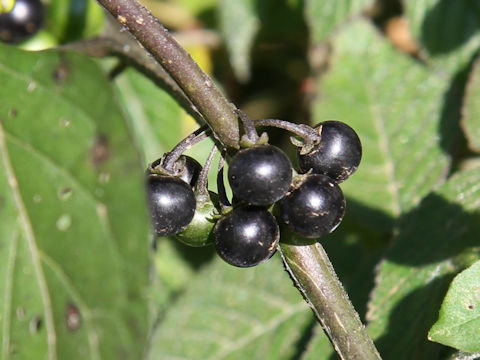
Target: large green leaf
point(395, 105)
point(435, 241)
point(154, 116)
point(325, 16)
point(471, 110)
point(448, 30)
point(459, 321)
point(232, 313)
point(239, 23)
point(73, 229)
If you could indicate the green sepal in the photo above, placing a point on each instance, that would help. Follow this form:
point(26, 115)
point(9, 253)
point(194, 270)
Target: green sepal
point(200, 230)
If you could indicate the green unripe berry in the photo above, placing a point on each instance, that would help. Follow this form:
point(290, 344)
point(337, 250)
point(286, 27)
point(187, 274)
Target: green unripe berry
point(199, 231)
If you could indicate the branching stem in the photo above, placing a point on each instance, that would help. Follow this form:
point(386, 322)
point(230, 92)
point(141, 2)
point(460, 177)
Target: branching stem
point(218, 112)
point(308, 265)
point(171, 158)
point(304, 131)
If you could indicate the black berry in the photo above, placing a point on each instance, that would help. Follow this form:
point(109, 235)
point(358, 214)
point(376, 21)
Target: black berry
point(186, 168)
point(246, 236)
point(337, 155)
point(22, 21)
point(172, 204)
point(189, 169)
point(314, 206)
point(260, 175)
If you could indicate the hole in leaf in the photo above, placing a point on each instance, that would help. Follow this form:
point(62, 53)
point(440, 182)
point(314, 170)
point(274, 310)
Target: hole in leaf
point(12, 113)
point(73, 317)
point(65, 193)
point(99, 152)
point(35, 325)
point(61, 72)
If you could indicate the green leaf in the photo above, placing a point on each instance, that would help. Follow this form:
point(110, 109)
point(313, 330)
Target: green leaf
point(471, 109)
point(239, 24)
point(232, 313)
point(73, 229)
point(324, 17)
point(460, 355)
point(434, 241)
point(448, 30)
point(154, 116)
point(459, 320)
point(394, 104)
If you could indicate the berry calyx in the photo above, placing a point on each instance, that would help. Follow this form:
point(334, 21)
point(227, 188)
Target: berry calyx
point(200, 230)
point(172, 204)
point(246, 236)
point(260, 175)
point(22, 21)
point(314, 206)
point(338, 153)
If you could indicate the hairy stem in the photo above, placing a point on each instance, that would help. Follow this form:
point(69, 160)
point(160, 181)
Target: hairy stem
point(313, 274)
point(308, 265)
point(114, 42)
point(198, 87)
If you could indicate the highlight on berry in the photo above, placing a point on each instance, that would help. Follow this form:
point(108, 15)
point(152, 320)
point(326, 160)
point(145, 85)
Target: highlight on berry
point(20, 19)
point(268, 192)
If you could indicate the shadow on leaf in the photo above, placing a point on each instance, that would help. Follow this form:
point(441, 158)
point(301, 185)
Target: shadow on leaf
point(449, 24)
point(409, 322)
point(452, 137)
point(436, 230)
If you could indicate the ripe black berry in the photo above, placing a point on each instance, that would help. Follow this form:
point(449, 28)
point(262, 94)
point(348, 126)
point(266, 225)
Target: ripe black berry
point(189, 169)
point(246, 236)
point(260, 175)
point(186, 168)
point(22, 21)
point(172, 204)
point(314, 206)
point(337, 155)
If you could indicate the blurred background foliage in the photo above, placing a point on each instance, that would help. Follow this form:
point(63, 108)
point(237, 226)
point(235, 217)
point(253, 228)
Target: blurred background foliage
point(403, 74)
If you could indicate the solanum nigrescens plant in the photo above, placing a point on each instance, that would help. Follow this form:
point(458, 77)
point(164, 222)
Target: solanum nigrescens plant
point(308, 265)
point(76, 135)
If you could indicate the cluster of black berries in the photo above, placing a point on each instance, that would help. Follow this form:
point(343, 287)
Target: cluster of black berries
point(20, 19)
point(262, 179)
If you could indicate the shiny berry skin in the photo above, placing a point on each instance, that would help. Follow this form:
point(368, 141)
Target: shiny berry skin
point(186, 168)
point(314, 206)
point(337, 155)
point(260, 175)
point(189, 170)
point(247, 236)
point(22, 21)
point(172, 204)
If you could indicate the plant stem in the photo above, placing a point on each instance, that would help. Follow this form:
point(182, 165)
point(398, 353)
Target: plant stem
point(313, 274)
point(309, 266)
point(122, 44)
point(217, 110)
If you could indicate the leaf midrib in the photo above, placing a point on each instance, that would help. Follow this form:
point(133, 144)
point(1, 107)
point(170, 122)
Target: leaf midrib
point(32, 246)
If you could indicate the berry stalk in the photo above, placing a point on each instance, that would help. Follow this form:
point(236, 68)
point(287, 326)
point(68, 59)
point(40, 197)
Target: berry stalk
point(309, 266)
